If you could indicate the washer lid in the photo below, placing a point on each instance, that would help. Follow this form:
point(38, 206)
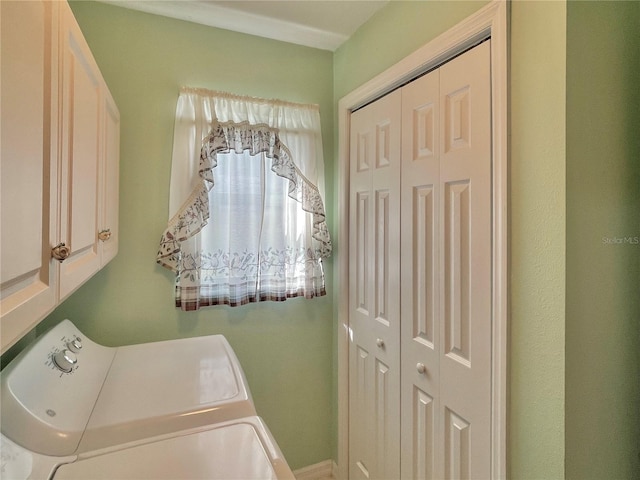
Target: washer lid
point(162, 387)
point(241, 449)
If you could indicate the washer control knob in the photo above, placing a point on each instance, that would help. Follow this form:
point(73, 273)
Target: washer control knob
point(75, 345)
point(65, 360)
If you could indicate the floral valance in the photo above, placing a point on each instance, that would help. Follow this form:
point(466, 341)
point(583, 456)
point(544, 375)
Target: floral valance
point(255, 139)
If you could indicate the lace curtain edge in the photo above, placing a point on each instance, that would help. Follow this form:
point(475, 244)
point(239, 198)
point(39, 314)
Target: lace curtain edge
point(239, 137)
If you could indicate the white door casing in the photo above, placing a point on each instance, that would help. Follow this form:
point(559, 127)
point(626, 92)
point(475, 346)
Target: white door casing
point(488, 22)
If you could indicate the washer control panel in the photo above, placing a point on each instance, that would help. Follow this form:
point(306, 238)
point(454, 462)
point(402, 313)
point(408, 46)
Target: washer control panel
point(49, 390)
point(75, 345)
point(66, 358)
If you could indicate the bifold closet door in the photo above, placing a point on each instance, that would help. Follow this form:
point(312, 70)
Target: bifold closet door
point(446, 271)
point(420, 262)
point(374, 285)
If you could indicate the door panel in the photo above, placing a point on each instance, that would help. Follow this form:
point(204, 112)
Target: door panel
point(457, 447)
point(457, 270)
point(362, 202)
point(465, 180)
point(381, 259)
point(422, 442)
point(424, 265)
point(110, 164)
point(359, 400)
point(28, 172)
point(81, 113)
point(420, 259)
point(374, 306)
point(446, 271)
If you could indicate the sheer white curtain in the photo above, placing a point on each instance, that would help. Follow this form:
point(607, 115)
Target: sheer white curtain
point(246, 214)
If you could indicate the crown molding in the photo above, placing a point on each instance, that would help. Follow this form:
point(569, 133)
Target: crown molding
point(212, 15)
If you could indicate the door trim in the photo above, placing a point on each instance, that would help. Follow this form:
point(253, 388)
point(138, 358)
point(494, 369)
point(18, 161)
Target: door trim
point(490, 21)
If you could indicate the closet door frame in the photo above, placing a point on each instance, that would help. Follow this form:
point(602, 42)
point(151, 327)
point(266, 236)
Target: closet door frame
point(490, 21)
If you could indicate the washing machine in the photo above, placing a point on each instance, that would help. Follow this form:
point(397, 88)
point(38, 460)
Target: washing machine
point(70, 405)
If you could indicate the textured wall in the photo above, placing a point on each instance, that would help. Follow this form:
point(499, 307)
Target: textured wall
point(538, 138)
point(603, 241)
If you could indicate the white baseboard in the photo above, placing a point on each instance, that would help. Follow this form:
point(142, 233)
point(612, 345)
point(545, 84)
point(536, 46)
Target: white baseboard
point(317, 471)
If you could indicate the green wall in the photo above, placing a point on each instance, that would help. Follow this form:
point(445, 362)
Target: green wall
point(537, 176)
point(391, 34)
point(285, 348)
point(603, 236)
point(537, 239)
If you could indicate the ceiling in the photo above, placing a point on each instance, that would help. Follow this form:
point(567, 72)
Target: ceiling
point(313, 23)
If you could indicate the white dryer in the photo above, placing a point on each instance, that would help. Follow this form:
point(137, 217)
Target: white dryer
point(68, 400)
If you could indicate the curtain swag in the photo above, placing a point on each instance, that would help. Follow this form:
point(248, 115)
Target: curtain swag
point(231, 124)
point(256, 139)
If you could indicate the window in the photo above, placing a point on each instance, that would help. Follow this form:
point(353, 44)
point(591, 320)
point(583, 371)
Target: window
point(247, 220)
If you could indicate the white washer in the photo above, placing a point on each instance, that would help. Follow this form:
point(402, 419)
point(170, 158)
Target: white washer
point(161, 387)
point(240, 449)
point(65, 398)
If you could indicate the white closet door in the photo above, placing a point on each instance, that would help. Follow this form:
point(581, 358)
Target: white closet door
point(420, 260)
point(374, 306)
point(446, 277)
point(465, 256)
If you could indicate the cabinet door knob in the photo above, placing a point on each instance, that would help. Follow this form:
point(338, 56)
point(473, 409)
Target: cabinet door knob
point(380, 343)
point(60, 252)
point(104, 235)
point(421, 368)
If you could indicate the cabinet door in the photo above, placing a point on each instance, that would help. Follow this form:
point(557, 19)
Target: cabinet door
point(108, 234)
point(27, 166)
point(80, 156)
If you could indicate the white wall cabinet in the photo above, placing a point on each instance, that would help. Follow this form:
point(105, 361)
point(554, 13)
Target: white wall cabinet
point(59, 164)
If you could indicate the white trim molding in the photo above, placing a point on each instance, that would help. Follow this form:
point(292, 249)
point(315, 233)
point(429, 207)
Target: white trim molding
point(490, 21)
point(317, 471)
point(271, 22)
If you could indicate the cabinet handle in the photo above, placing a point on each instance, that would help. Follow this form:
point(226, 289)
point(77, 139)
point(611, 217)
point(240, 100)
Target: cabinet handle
point(104, 235)
point(421, 368)
point(380, 343)
point(60, 252)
